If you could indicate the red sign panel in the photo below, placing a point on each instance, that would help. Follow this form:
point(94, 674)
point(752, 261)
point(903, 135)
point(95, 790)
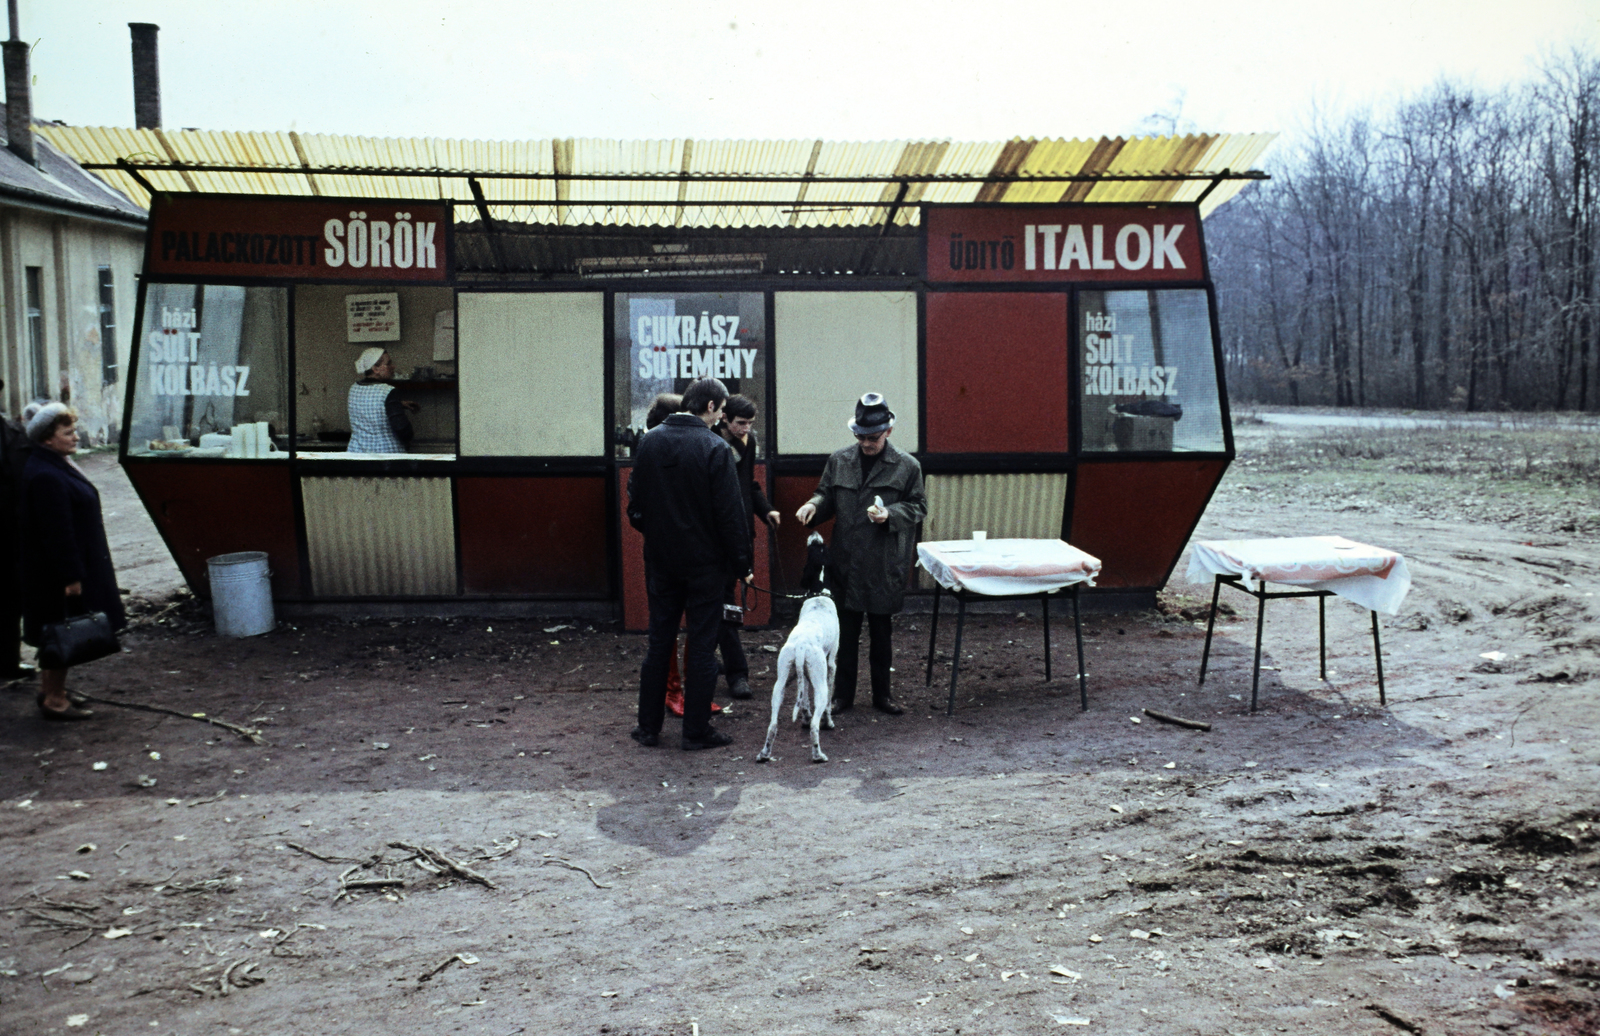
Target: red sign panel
point(298, 239)
point(986, 244)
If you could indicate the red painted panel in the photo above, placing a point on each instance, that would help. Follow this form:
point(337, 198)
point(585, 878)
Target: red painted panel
point(635, 605)
point(208, 509)
point(533, 536)
point(997, 372)
point(792, 491)
point(1135, 516)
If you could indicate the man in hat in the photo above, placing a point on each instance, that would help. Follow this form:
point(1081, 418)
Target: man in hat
point(683, 495)
point(873, 492)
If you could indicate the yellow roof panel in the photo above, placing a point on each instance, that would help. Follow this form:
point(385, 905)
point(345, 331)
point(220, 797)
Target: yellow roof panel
point(673, 182)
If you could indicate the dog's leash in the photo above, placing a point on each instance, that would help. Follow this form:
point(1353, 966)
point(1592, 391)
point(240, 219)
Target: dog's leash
point(772, 548)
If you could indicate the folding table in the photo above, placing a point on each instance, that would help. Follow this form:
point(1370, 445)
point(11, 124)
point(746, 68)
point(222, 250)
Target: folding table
point(1375, 578)
point(1002, 569)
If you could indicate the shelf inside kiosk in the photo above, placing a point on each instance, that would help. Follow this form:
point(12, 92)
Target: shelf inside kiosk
point(375, 373)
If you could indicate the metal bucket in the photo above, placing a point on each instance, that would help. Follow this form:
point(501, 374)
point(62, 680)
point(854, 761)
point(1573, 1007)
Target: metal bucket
point(241, 593)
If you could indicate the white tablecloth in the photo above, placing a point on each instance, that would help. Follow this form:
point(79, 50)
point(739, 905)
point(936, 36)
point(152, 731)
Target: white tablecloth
point(1372, 577)
point(999, 568)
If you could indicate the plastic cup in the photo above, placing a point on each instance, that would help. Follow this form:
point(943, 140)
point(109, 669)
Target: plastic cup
point(979, 535)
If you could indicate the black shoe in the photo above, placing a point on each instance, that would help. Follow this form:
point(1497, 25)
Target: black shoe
point(842, 706)
point(887, 705)
point(740, 688)
point(711, 739)
point(647, 738)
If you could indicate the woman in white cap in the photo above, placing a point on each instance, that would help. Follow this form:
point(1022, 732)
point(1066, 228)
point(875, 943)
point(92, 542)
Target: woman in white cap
point(378, 422)
point(67, 562)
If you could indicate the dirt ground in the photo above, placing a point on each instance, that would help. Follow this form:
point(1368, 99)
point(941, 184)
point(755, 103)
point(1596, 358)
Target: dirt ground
point(1323, 866)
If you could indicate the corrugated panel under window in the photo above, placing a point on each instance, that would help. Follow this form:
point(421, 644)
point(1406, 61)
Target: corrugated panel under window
point(380, 537)
point(1005, 506)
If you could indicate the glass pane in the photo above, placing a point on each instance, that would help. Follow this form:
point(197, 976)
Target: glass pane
point(666, 340)
point(211, 373)
point(414, 327)
point(1149, 372)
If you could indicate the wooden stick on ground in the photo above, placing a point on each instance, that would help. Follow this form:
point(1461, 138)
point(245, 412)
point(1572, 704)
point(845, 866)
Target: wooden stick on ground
point(297, 847)
point(439, 859)
point(1177, 721)
point(575, 867)
point(248, 733)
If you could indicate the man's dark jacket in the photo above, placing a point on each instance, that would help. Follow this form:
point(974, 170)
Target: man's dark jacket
point(64, 541)
point(755, 498)
point(683, 494)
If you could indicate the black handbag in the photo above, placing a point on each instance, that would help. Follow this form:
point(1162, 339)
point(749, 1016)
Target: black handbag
point(76, 640)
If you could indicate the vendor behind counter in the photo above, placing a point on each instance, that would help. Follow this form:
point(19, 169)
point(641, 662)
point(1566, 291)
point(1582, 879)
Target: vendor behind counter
point(379, 423)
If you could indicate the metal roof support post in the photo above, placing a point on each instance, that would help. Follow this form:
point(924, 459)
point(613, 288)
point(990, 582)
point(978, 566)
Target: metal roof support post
point(870, 253)
point(1216, 181)
point(489, 231)
point(126, 167)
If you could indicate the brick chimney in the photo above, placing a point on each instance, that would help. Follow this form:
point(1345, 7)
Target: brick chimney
point(19, 101)
point(146, 76)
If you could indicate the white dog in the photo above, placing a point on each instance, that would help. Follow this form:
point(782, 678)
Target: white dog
point(808, 659)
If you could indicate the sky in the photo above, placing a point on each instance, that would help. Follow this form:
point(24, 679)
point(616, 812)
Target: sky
point(862, 70)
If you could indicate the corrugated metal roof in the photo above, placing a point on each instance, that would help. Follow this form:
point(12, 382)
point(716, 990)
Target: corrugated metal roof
point(684, 183)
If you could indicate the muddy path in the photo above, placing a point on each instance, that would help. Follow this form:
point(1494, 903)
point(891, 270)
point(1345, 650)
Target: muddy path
point(1325, 865)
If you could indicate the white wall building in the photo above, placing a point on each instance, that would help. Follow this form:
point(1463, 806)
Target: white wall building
point(70, 252)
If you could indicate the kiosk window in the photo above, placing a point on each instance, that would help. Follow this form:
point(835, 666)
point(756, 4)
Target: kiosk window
point(1149, 372)
point(665, 341)
point(833, 346)
point(532, 374)
point(211, 373)
point(406, 407)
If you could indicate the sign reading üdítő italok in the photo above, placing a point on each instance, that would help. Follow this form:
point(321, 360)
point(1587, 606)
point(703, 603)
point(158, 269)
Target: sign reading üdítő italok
point(1088, 243)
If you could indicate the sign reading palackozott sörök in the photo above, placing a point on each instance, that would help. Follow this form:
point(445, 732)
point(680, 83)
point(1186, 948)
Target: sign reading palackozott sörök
point(298, 239)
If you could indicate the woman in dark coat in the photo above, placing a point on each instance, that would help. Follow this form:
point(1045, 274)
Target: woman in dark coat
point(64, 543)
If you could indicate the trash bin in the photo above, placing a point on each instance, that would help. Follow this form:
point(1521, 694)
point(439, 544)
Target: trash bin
point(241, 593)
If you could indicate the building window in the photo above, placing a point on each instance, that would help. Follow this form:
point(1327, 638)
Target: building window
point(41, 364)
point(108, 327)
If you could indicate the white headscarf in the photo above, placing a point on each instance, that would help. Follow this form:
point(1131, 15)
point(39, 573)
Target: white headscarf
point(368, 358)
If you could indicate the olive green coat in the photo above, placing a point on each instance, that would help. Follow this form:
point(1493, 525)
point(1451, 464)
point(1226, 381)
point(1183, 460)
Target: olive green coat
point(869, 563)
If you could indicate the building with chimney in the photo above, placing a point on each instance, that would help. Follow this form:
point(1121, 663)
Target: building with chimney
point(70, 251)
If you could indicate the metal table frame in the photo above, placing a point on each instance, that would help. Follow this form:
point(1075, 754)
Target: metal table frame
point(961, 619)
point(1262, 596)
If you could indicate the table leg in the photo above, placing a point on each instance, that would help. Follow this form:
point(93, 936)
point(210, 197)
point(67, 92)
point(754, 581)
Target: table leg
point(1322, 633)
point(933, 633)
point(1045, 599)
point(1205, 658)
point(1255, 676)
point(1077, 627)
point(1377, 653)
point(955, 662)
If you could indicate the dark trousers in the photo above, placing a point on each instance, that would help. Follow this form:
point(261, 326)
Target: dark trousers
point(697, 598)
point(880, 655)
point(734, 664)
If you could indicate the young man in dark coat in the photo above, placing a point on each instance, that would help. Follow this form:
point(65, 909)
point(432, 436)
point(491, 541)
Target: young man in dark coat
point(737, 431)
point(683, 495)
point(873, 547)
point(68, 562)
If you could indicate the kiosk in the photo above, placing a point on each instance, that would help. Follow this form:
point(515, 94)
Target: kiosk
point(1042, 321)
